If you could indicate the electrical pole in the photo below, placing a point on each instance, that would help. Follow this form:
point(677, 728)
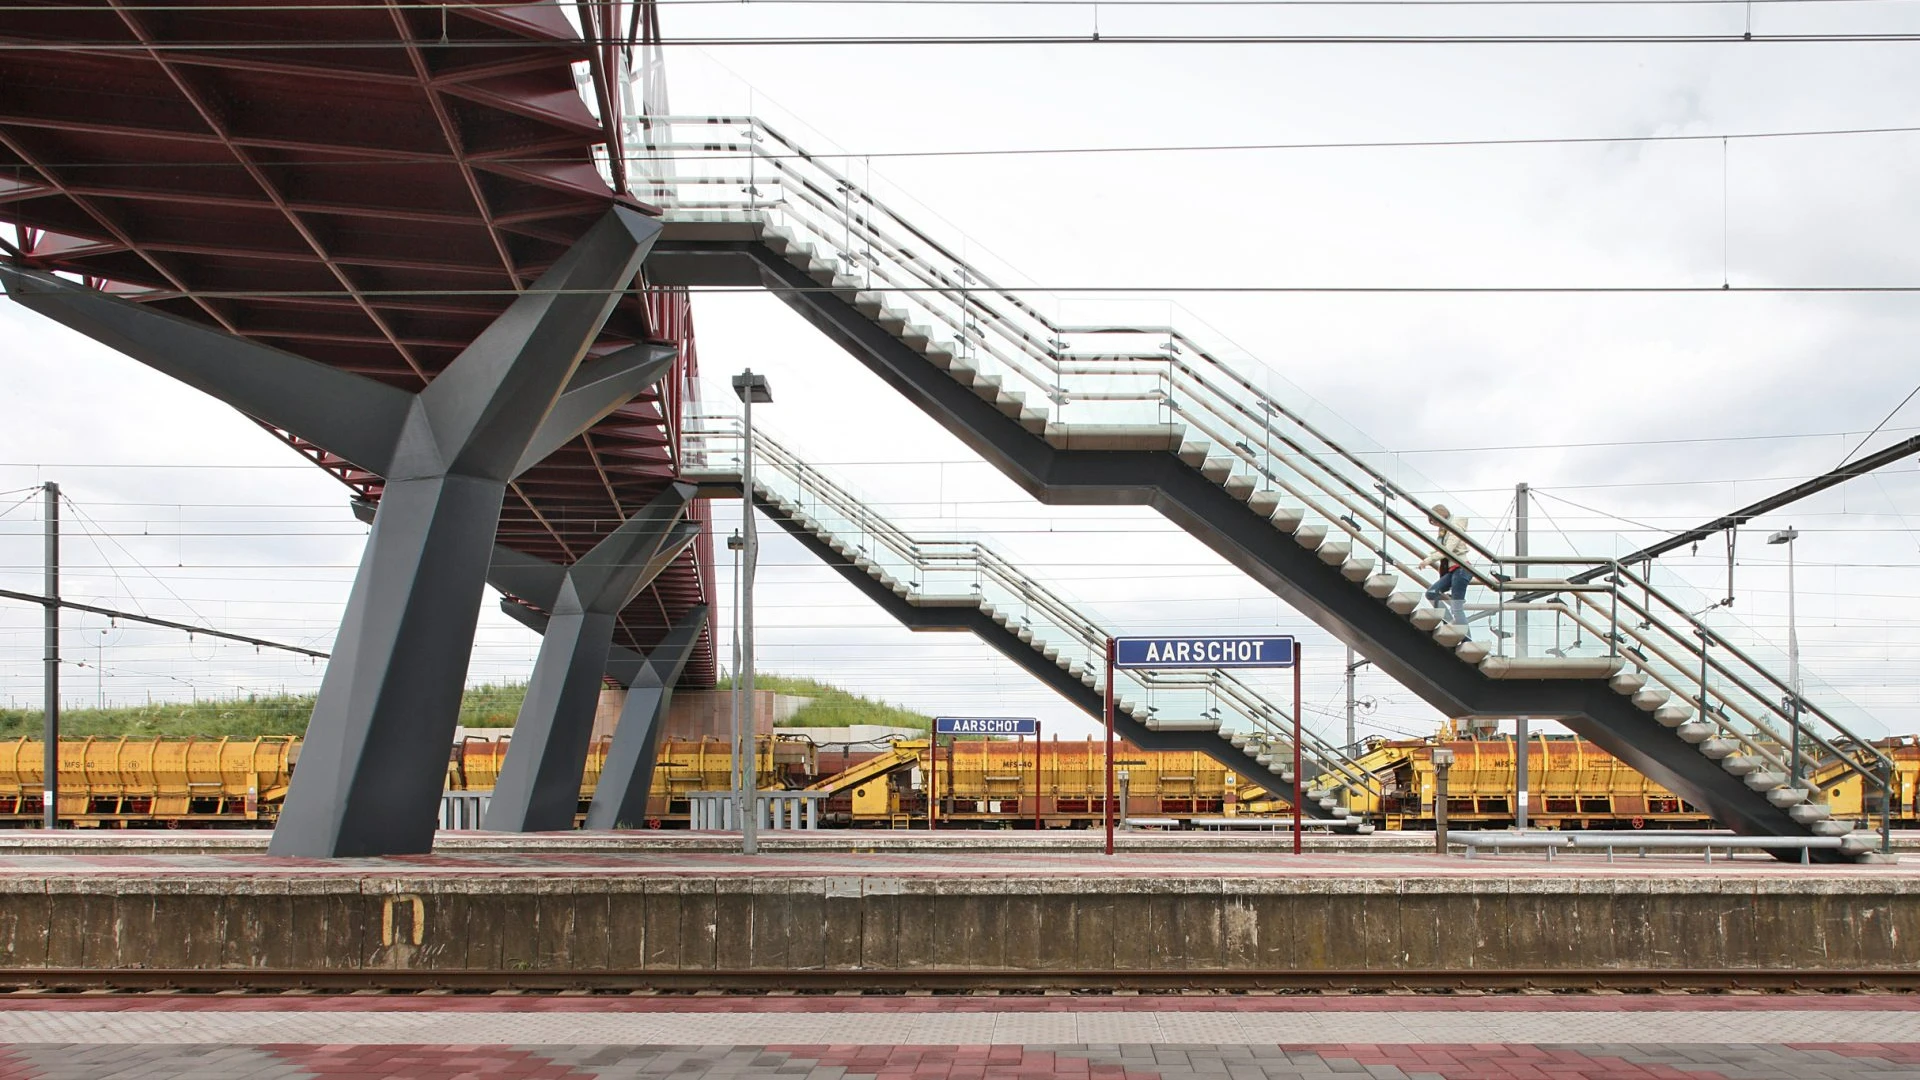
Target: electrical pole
point(1353, 668)
point(50, 779)
point(1787, 536)
point(1350, 738)
point(1519, 650)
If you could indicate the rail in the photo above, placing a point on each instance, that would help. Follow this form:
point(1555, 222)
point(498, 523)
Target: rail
point(1150, 377)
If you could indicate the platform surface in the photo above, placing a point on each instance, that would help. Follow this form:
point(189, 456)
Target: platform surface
point(966, 1038)
point(960, 865)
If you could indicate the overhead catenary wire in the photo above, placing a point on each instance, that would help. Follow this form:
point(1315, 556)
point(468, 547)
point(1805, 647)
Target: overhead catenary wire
point(349, 159)
point(463, 6)
point(114, 45)
point(1146, 290)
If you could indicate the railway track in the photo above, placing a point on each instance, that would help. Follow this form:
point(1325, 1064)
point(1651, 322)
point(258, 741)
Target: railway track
point(950, 983)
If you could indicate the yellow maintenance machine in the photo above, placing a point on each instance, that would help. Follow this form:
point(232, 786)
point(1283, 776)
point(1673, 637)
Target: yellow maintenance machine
point(876, 786)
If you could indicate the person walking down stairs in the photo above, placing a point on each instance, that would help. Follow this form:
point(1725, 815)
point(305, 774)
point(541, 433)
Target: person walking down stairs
point(1450, 559)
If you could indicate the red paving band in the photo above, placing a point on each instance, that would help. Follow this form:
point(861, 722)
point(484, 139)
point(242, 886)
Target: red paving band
point(1177, 1062)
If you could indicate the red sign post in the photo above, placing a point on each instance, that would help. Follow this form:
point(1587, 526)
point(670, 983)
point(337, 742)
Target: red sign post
point(1299, 783)
point(1109, 712)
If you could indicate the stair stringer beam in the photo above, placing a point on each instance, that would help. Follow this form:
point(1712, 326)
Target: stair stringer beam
point(1057, 679)
point(1243, 538)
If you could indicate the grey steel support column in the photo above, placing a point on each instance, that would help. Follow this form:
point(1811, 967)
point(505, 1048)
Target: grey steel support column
point(374, 759)
point(539, 785)
point(630, 760)
point(620, 800)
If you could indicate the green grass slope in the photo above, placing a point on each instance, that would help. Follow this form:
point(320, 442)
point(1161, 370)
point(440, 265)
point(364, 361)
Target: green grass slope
point(834, 707)
point(483, 706)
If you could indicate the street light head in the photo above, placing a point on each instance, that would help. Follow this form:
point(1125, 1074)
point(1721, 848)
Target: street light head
point(1784, 536)
point(736, 542)
point(752, 387)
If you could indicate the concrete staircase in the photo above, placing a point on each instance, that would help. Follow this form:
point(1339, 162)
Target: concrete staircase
point(1206, 711)
point(1174, 428)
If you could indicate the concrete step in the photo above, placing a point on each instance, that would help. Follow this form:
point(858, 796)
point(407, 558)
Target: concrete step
point(1717, 748)
point(1673, 714)
point(1357, 569)
point(1381, 586)
point(1310, 535)
point(1695, 731)
point(1334, 552)
point(1784, 797)
point(1650, 697)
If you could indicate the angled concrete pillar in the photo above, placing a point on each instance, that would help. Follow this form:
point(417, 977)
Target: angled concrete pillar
point(539, 785)
point(620, 799)
point(374, 760)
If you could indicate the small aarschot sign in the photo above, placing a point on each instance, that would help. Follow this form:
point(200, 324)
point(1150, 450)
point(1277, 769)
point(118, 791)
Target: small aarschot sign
point(985, 725)
point(1202, 651)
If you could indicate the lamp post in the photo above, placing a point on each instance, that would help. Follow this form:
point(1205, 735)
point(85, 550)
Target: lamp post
point(1787, 536)
point(738, 790)
point(752, 390)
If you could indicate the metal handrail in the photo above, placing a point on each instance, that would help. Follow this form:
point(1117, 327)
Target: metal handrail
point(920, 554)
point(1227, 396)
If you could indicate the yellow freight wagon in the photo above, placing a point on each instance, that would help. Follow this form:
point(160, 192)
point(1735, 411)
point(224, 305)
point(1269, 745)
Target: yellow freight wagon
point(1572, 783)
point(148, 782)
point(681, 767)
point(1064, 784)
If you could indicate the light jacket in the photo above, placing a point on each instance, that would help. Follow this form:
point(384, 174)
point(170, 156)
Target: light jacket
point(1453, 544)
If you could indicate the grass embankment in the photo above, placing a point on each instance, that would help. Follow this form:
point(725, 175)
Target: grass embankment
point(834, 707)
point(483, 706)
point(237, 717)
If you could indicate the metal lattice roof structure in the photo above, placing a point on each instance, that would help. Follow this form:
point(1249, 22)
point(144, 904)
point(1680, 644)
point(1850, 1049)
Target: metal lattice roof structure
point(365, 184)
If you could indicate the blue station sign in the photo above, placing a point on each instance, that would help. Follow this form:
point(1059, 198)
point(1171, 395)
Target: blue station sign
point(1202, 651)
point(985, 725)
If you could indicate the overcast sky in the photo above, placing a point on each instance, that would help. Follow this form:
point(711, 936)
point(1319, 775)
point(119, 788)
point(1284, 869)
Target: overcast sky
point(1661, 409)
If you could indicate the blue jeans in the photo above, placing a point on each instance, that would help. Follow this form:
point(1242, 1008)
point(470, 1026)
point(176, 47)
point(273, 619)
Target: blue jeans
point(1454, 581)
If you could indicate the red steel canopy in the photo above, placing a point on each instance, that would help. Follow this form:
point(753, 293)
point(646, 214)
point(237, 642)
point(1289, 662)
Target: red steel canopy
point(363, 182)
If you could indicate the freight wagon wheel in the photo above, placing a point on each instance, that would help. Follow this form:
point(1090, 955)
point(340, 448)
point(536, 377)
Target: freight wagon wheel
point(1639, 823)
